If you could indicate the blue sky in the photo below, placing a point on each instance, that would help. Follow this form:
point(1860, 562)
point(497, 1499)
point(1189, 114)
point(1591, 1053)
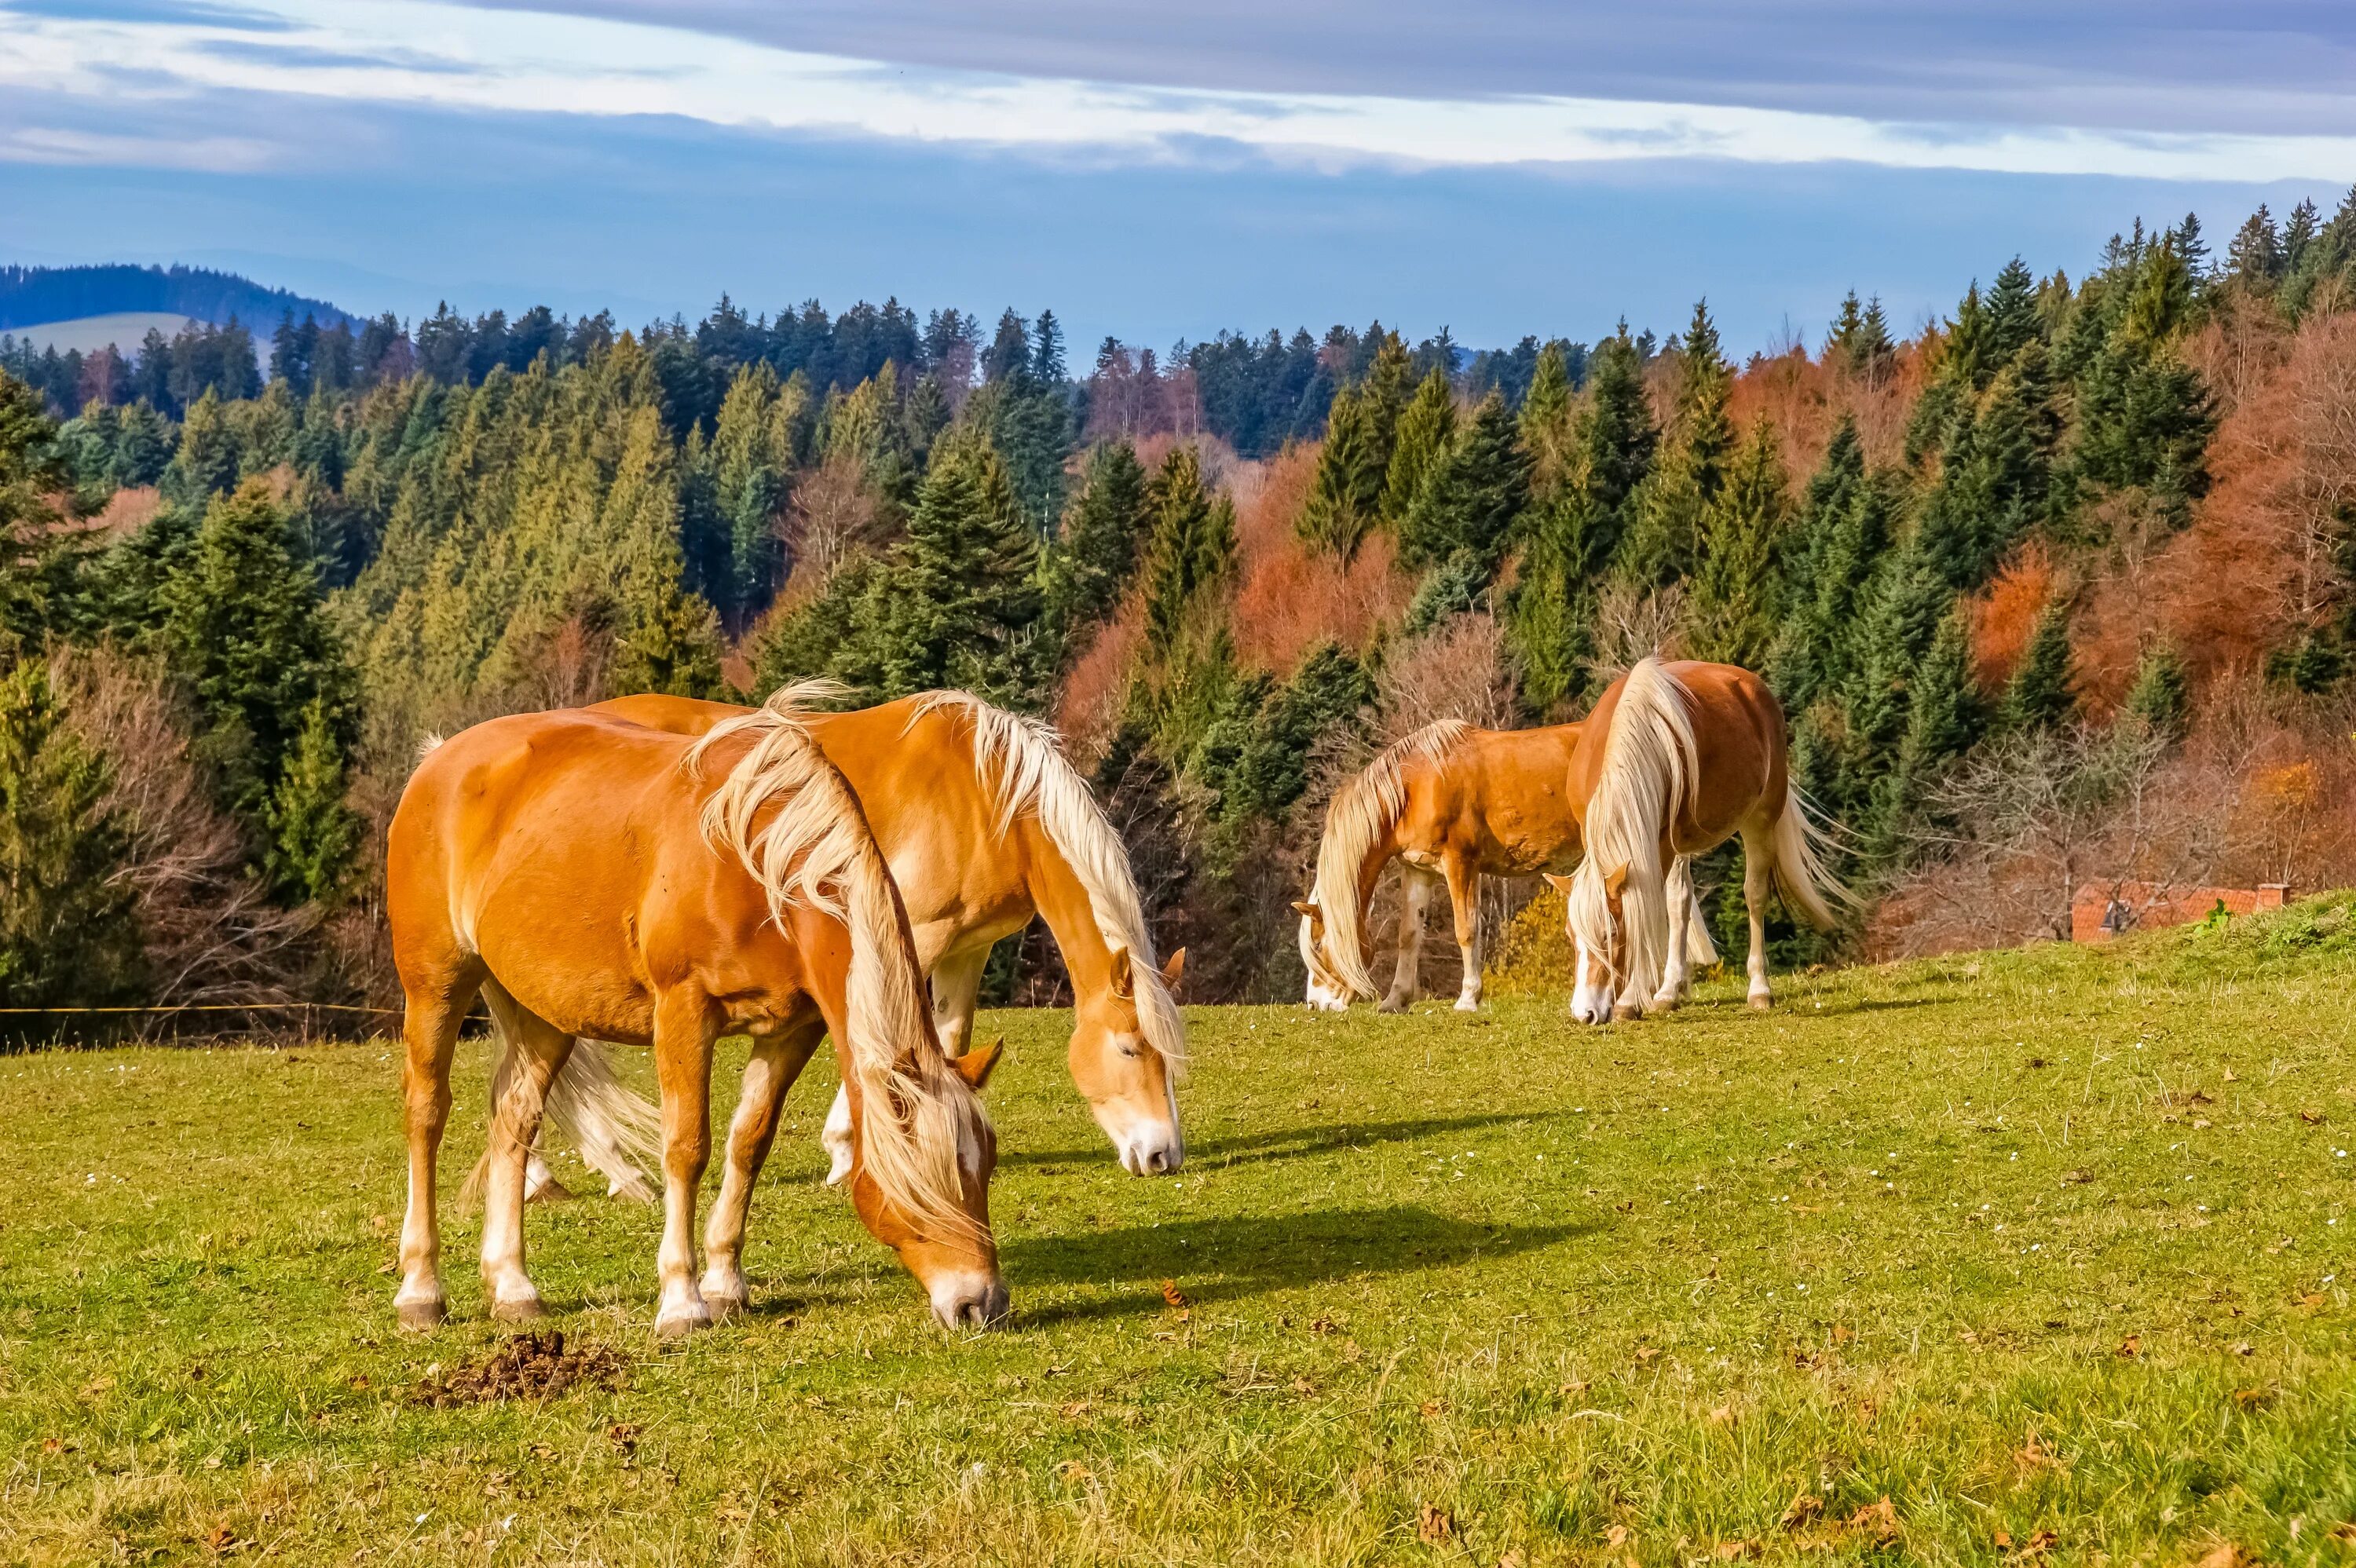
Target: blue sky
point(1157, 171)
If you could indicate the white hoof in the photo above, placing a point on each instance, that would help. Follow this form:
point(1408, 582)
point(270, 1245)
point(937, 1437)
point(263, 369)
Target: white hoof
point(724, 1293)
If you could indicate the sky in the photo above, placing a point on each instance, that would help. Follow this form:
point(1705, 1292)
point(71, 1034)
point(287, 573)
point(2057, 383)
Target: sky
point(1159, 170)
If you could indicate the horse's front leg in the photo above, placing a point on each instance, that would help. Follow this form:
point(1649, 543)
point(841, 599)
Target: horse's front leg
point(1464, 903)
point(685, 1028)
point(536, 1054)
point(1407, 976)
point(776, 1062)
point(957, 994)
point(1676, 971)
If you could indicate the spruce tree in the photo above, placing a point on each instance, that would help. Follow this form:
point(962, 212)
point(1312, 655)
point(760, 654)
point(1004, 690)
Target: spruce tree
point(69, 930)
point(244, 628)
point(1346, 491)
point(2039, 696)
point(1096, 552)
point(1737, 593)
point(1425, 431)
point(1472, 495)
point(1189, 548)
point(208, 460)
point(2160, 700)
point(751, 459)
point(965, 592)
point(313, 834)
point(1663, 543)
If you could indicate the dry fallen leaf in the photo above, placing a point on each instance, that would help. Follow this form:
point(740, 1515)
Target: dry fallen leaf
point(1074, 1411)
point(1073, 1470)
point(1737, 1550)
point(2312, 1118)
point(1580, 1386)
point(1434, 1524)
point(1843, 1333)
point(1722, 1416)
point(1879, 1520)
point(2039, 1544)
point(2034, 1454)
point(1513, 1559)
point(1616, 1536)
point(2130, 1348)
point(2253, 1397)
point(1645, 1353)
point(1433, 1407)
point(1322, 1326)
point(1172, 1295)
point(1804, 1507)
point(2224, 1554)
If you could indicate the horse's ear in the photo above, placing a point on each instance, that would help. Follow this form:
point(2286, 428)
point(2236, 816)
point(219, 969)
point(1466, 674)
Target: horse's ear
point(1303, 907)
point(1616, 880)
point(975, 1065)
point(1124, 978)
point(1174, 968)
point(1560, 884)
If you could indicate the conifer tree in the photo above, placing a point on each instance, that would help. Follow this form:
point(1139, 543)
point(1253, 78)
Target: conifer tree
point(1425, 431)
point(1189, 549)
point(1346, 490)
point(1472, 495)
point(964, 593)
point(1736, 594)
point(244, 628)
point(313, 834)
point(2039, 696)
point(1663, 542)
point(68, 932)
point(751, 463)
point(1096, 553)
point(2160, 700)
point(208, 461)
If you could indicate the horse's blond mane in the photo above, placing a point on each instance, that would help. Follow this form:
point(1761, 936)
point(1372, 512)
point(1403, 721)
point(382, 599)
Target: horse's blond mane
point(1650, 764)
point(1364, 810)
point(1021, 763)
point(789, 816)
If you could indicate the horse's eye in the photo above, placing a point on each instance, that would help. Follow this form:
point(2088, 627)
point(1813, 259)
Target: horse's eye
point(1130, 1049)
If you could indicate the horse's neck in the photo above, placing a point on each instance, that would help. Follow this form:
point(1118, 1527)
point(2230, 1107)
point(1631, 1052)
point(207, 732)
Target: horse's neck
point(1062, 901)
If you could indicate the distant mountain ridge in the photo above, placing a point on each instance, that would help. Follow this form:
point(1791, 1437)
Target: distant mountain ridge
point(33, 296)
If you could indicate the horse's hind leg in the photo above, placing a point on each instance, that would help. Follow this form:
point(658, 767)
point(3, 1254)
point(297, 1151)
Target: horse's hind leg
point(1758, 881)
point(775, 1064)
point(1407, 976)
point(684, 1032)
point(537, 1050)
point(1676, 971)
point(430, 1022)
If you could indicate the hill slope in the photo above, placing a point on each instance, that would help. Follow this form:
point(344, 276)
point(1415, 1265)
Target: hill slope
point(30, 296)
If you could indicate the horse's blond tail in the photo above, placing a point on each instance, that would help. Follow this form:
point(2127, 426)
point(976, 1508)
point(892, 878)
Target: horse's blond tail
point(1802, 843)
point(786, 814)
point(617, 1130)
point(1650, 764)
point(1363, 812)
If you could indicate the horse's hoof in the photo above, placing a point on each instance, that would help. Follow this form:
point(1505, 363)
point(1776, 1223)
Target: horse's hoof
point(421, 1317)
point(724, 1298)
point(1762, 1004)
point(1392, 1004)
point(679, 1324)
point(1624, 1012)
point(1468, 1004)
point(519, 1309)
point(550, 1191)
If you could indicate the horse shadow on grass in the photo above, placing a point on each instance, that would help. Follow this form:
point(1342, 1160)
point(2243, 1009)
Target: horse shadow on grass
point(1292, 1143)
point(1234, 1258)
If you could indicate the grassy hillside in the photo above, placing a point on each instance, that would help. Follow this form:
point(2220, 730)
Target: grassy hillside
point(2050, 1250)
point(89, 334)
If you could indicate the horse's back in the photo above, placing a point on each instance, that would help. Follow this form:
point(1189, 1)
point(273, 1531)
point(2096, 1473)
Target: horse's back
point(1509, 789)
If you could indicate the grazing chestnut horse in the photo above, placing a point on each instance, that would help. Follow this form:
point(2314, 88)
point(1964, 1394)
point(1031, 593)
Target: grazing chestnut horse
point(1690, 755)
point(984, 824)
point(1450, 799)
point(589, 876)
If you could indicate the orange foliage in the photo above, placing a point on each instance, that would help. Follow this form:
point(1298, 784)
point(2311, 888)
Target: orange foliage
point(2006, 612)
point(1291, 596)
point(1088, 710)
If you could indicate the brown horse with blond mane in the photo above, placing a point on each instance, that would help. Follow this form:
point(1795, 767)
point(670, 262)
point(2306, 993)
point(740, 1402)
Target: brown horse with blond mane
point(1682, 757)
point(1452, 801)
point(589, 876)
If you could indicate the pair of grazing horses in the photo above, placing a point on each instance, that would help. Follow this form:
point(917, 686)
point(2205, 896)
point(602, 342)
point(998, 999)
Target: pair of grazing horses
point(1675, 760)
point(664, 872)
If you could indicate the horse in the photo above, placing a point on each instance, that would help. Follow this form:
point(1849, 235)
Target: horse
point(984, 824)
point(1690, 755)
point(587, 876)
point(1449, 799)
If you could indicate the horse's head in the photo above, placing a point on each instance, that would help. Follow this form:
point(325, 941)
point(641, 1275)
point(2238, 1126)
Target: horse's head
point(1327, 994)
point(953, 1255)
point(1125, 1076)
point(1595, 922)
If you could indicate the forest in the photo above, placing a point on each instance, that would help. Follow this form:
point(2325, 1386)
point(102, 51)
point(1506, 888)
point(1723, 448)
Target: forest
point(2057, 589)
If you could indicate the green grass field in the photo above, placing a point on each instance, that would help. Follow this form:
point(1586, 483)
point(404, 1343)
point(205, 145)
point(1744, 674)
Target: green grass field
point(2050, 1250)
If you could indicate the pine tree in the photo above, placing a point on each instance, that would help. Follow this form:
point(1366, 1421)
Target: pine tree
point(1472, 495)
point(244, 628)
point(1426, 431)
point(964, 593)
point(1737, 593)
point(1189, 548)
point(208, 461)
point(313, 834)
point(68, 931)
point(2039, 696)
point(1346, 490)
point(1663, 542)
point(2160, 700)
point(1096, 552)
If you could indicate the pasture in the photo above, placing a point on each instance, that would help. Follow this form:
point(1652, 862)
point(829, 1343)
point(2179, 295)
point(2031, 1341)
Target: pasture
point(2037, 1256)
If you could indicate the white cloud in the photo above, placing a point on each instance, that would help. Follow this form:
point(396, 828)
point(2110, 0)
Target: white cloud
point(425, 54)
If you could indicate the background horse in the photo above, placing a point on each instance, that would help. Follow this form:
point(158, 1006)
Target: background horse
point(585, 877)
point(1691, 754)
point(1450, 799)
point(984, 824)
